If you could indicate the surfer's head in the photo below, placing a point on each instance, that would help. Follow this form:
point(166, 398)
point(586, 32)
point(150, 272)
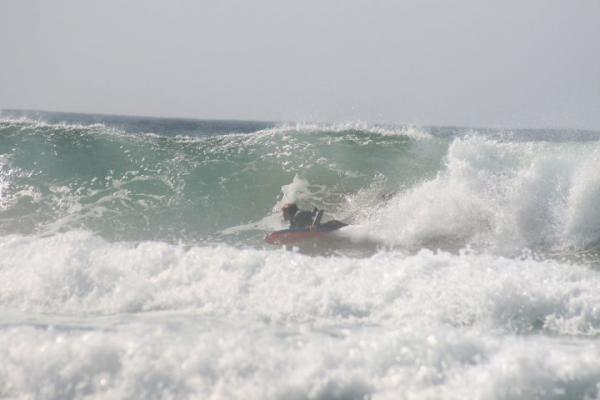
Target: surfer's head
point(289, 210)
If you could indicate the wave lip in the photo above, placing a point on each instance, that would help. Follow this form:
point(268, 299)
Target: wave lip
point(411, 132)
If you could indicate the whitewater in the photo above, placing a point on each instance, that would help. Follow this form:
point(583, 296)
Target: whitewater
point(133, 265)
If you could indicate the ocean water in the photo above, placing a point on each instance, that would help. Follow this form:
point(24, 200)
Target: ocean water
point(132, 261)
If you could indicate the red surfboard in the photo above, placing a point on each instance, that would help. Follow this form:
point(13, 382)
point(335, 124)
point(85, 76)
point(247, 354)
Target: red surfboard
point(297, 235)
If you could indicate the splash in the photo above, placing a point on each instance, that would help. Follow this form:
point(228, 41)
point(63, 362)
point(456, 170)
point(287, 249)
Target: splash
point(499, 196)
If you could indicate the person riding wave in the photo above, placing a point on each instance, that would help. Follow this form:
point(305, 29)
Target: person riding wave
point(301, 218)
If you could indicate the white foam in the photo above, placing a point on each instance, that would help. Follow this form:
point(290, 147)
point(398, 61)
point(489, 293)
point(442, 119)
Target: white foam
point(86, 318)
point(412, 132)
point(81, 273)
point(497, 195)
point(32, 123)
point(142, 361)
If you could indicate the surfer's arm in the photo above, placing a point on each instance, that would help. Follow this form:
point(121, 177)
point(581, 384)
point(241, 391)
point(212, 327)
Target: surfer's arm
point(318, 217)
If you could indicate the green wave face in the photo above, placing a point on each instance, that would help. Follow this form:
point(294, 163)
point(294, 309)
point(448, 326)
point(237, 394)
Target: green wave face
point(136, 186)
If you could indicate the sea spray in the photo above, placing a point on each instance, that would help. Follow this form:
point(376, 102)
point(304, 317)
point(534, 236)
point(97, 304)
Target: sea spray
point(499, 196)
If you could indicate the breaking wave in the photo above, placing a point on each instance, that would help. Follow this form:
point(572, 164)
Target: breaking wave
point(132, 261)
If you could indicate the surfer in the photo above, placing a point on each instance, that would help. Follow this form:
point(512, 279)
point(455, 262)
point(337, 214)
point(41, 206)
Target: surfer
point(301, 218)
point(304, 225)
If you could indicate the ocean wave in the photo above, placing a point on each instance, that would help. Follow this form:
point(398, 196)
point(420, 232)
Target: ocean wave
point(143, 360)
point(151, 319)
point(134, 186)
point(33, 126)
point(24, 122)
point(79, 273)
point(134, 265)
point(498, 195)
point(464, 190)
point(412, 132)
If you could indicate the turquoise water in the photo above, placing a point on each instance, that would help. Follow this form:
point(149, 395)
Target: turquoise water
point(132, 186)
point(132, 260)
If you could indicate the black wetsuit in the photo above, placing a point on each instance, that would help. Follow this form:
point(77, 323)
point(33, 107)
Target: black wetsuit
point(303, 219)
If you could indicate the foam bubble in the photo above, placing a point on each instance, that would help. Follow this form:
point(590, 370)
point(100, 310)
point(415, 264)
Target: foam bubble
point(83, 317)
point(500, 196)
point(81, 273)
point(141, 360)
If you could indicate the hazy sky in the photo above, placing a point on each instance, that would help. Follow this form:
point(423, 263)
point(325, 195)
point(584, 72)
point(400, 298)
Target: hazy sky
point(509, 63)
